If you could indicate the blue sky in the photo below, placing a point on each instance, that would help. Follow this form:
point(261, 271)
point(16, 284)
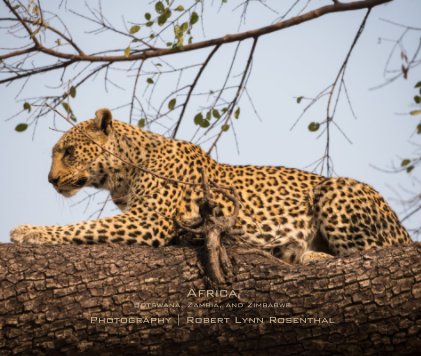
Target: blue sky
point(298, 61)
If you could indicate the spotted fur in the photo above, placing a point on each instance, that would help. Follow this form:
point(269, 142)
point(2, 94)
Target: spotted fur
point(296, 215)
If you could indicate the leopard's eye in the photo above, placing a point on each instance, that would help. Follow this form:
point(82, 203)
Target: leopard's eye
point(68, 151)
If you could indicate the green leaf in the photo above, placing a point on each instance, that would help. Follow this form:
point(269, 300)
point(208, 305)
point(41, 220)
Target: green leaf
point(149, 81)
point(162, 19)
point(67, 107)
point(409, 169)
point(194, 17)
point(415, 112)
point(21, 127)
point(216, 114)
point(159, 7)
point(313, 126)
point(141, 123)
point(172, 103)
point(417, 99)
point(418, 85)
point(225, 127)
point(179, 8)
point(149, 23)
point(72, 91)
point(27, 106)
point(134, 29)
point(127, 52)
point(405, 162)
point(224, 110)
point(198, 118)
point(299, 98)
point(419, 129)
point(148, 16)
point(237, 113)
point(204, 124)
point(208, 115)
point(184, 27)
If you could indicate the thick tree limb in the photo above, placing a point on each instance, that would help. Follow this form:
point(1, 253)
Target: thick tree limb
point(48, 295)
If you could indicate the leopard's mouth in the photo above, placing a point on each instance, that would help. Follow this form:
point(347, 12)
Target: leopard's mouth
point(81, 182)
point(70, 190)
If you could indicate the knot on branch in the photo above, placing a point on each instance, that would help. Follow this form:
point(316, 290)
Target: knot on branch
point(211, 225)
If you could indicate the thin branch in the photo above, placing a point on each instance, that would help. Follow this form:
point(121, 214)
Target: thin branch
point(192, 86)
point(39, 70)
point(24, 24)
point(407, 216)
point(400, 25)
point(106, 26)
point(237, 94)
point(134, 91)
point(339, 79)
point(18, 52)
point(50, 28)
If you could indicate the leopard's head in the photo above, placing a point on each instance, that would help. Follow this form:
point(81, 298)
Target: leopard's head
point(80, 157)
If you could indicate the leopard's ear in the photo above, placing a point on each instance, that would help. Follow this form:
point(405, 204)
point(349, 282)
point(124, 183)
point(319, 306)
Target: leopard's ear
point(103, 120)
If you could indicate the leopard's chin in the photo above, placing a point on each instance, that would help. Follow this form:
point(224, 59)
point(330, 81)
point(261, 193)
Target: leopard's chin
point(67, 192)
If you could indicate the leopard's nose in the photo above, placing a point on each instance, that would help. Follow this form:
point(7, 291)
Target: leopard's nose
point(53, 180)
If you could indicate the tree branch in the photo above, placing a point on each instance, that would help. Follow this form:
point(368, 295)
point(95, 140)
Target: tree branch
point(241, 86)
point(339, 79)
point(192, 86)
point(161, 52)
point(107, 300)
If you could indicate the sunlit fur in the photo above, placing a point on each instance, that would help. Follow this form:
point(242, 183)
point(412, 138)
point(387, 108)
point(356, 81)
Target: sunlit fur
point(296, 215)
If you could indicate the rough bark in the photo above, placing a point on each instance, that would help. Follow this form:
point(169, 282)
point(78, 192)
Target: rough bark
point(48, 295)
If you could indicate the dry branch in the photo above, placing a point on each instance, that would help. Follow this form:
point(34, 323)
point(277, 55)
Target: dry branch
point(211, 226)
point(160, 52)
point(50, 293)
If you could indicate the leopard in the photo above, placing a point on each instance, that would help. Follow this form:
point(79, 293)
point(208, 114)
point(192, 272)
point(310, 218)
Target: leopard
point(295, 215)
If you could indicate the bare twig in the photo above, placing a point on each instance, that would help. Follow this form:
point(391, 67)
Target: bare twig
point(237, 95)
point(192, 86)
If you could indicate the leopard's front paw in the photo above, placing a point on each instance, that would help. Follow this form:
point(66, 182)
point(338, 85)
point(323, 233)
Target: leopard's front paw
point(311, 256)
point(29, 234)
